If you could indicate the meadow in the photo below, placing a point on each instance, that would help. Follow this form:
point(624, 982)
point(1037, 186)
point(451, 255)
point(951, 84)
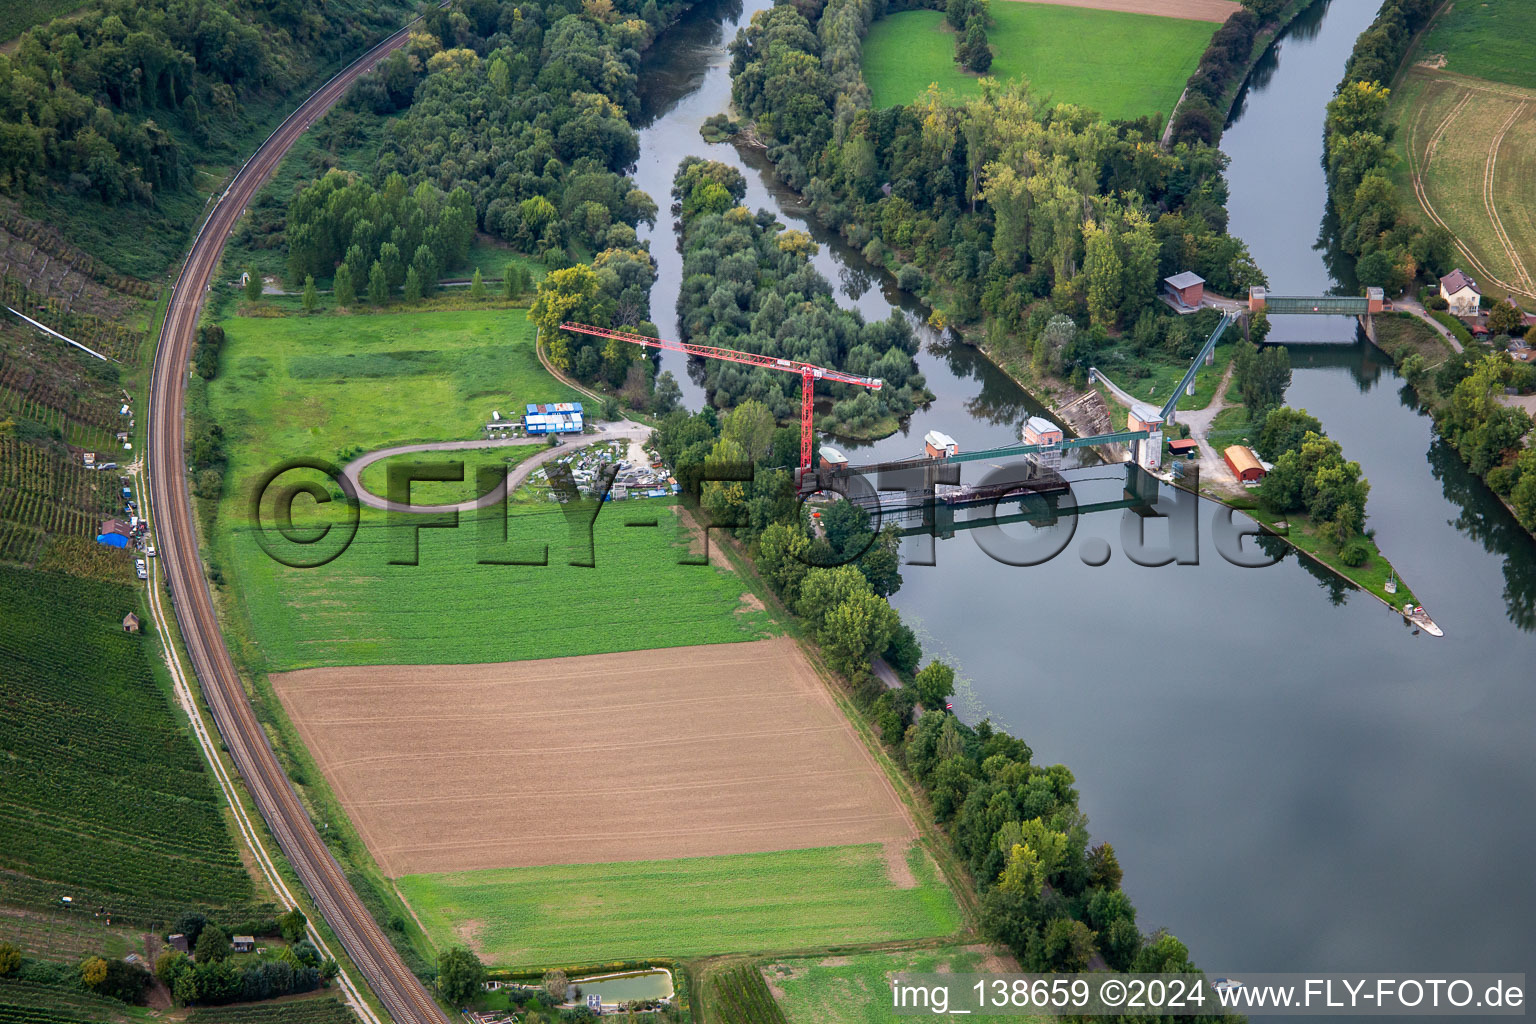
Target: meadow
point(334, 386)
point(1490, 39)
point(1067, 54)
point(856, 989)
point(103, 796)
point(451, 609)
point(751, 902)
point(1468, 161)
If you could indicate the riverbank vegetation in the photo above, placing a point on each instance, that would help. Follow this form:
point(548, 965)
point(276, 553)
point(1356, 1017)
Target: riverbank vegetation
point(749, 285)
point(1003, 212)
point(1010, 41)
point(1464, 392)
point(1224, 67)
point(1390, 249)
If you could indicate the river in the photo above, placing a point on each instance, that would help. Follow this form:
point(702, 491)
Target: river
point(1292, 779)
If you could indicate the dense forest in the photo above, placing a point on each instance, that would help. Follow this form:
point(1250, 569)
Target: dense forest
point(121, 102)
point(750, 286)
point(993, 209)
point(517, 114)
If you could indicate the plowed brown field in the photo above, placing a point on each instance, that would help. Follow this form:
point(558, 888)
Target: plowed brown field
point(683, 752)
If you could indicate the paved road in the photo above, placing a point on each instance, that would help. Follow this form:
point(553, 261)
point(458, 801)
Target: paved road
point(1408, 305)
point(399, 990)
point(608, 432)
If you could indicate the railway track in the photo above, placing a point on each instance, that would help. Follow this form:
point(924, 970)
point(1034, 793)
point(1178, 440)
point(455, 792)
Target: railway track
point(407, 1001)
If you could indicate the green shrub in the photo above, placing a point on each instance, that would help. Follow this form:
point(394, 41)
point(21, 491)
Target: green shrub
point(1355, 553)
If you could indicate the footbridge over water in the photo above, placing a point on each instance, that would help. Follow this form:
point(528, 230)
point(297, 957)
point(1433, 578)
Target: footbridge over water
point(1373, 301)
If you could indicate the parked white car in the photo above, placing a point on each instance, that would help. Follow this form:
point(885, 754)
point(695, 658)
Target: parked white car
point(149, 550)
point(142, 567)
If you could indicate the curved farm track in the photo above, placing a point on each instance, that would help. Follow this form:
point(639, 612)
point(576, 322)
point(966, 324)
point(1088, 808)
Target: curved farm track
point(1418, 172)
point(1488, 196)
point(402, 994)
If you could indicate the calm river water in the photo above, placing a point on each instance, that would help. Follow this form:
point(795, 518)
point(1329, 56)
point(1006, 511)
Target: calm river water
point(1293, 781)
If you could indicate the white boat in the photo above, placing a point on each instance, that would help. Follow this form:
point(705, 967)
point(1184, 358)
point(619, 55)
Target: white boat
point(1419, 617)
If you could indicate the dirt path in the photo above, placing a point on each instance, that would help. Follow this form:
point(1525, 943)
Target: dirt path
point(1213, 467)
point(1217, 11)
point(1493, 213)
point(353, 471)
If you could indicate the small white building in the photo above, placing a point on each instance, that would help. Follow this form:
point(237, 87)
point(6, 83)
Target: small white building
point(1149, 453)
point(1461, 292)
point(831, 458)
point(1040, 431)
point(939, 445)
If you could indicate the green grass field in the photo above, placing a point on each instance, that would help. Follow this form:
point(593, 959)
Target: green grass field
point(751, 902)
point(1121, 65)
point(1473, 146)
point(1164, 372)
point(1489, 39)
point(334, 387)
point(856, 989)
point(448, 609)
point(1231, 426)
point(1398, 331)
point(324, 385)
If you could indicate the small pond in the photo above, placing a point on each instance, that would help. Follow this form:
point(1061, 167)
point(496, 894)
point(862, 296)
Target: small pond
point(625, 988)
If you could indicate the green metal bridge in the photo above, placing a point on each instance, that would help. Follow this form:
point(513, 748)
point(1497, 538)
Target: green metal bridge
point(1330, 305)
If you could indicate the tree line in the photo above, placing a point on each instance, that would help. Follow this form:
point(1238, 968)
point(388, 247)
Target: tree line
point(970, 19)
point(1390, 250)
point(1225, 63)
point(119, 101)
point(993, 208)
point(1463, 394)
point(342, 226)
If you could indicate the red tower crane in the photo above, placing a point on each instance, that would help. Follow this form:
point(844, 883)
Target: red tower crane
point(809, 372)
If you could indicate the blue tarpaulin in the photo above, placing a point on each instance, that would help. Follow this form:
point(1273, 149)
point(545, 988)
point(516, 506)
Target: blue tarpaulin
point(112, 540)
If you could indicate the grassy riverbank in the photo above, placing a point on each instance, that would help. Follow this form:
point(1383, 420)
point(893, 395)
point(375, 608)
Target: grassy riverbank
point(1297, 530)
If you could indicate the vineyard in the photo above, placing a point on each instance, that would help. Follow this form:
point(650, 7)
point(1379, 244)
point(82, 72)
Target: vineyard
point(303, 1011)
point(41, 490)
point(41, 252)
point(109, 338)
point(739, 995)
point(28, 1001)
point(83, 420)
point(103, 790)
